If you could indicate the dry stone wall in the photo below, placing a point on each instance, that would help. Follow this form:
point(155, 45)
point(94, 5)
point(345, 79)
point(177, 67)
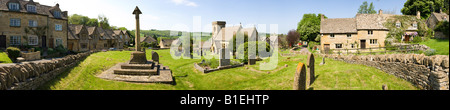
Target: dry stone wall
point(426, 72)
point(29, 76)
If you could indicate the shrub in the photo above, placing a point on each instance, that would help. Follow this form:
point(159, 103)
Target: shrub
point(442, 26)
point(311, 45)
point(61, 49)
point(417, 39)
point(430, 52)
point(244, 47)
point(13, 53)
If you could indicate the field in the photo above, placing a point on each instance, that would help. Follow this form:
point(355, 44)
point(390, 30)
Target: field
point(335, 75)
point(441, 46)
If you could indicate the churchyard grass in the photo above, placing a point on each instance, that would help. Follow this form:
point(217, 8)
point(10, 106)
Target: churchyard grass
point(334, 75)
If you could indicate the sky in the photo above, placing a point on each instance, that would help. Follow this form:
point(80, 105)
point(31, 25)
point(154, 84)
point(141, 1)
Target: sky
point(180, 14)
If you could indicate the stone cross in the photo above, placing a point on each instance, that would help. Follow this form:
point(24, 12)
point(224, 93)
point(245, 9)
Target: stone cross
point(300, 77)
point(311, 74)
point(137, 44)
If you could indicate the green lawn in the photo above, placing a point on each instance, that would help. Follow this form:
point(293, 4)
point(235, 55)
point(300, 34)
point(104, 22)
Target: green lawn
point(441, 46)
point(4, 58)
point(335, 75)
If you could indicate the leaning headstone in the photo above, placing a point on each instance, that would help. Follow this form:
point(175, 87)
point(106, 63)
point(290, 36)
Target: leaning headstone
point(222, 60)
point(155, 57)
point(323, 61)
point(385, 87)
point(311, 74)
point(300, 77)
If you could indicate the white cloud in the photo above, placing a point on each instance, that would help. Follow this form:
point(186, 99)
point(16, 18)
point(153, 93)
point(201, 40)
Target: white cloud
point(185, 2)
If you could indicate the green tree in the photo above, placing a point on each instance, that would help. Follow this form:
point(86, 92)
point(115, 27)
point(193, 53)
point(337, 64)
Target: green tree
point(104, 22)
point(78, 19)
point(123, 28)
point(426, 7)
point(309, 27)
point(92, 22)
point(365, 8)
point(292, 37)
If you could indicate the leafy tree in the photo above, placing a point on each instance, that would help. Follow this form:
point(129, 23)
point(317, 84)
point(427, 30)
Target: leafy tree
point(442, 27)
point(92, 22)
point(104, 22)
point(292, 37)
point(78, 19)
point(365, 8)
point(309, 27)
point(122, 28)
point(282, 41)
point(426, 7)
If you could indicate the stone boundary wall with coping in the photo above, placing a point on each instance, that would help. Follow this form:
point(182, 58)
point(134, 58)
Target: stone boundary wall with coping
point(425, 72)
point(29, 76)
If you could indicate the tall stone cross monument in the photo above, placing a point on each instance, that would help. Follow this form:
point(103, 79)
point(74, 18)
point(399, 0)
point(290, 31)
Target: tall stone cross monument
point(138, 57)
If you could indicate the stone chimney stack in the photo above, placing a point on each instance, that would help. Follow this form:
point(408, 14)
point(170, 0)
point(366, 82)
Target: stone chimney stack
point(321, 17)
point(380, 12)
point(418, 15)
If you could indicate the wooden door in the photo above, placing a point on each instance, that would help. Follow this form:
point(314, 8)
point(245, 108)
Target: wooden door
point(44, 41)
point(70, 46)
point(2, 41)
point(363, 44)
point(326, 48)
point(50, 44)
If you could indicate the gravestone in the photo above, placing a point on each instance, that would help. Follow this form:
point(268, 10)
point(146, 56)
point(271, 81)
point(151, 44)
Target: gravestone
point(155, 57)
point(311, 74)
point(323, 61)
point(300, 77)
point(384, 87)
point(251, 60)
point(223, 61)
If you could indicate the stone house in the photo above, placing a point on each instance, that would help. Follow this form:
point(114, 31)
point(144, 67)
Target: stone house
point(434, 19)
point(94, 38)
point(165, 43)
point(148, 39)
point(17, 16)
point(127, 38)
point(78, 38)
point(120, 36)
point(221, 35)
point(363, 31)
point(105, 38)
point(112, 42)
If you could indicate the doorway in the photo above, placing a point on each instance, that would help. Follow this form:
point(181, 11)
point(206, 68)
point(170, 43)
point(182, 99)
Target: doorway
point(363, 44)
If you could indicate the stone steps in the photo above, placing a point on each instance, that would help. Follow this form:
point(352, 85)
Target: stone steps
point(138, 66)
point(138, 72)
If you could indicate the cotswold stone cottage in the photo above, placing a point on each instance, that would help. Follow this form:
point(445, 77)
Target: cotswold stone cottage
point(434, 19)
point(17, 16)
point(84, 38)
point(363, 31)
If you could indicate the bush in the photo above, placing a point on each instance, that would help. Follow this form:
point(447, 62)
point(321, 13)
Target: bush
point(212, 63)
point(311, 45)
point(417, 39)
point(245, 47)
point(61, 49)
point(430, 52)
point(442, 27)
point(13, 53)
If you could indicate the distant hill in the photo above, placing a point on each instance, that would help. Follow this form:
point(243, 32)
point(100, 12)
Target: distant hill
point(166, 34)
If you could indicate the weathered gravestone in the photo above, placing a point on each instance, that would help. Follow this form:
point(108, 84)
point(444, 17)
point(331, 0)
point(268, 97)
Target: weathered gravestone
point(300, 77)
point(251, 60)
point(155, 57)
point(311, 74)
point(223, 61)
point(384, 87)
point(323, 61)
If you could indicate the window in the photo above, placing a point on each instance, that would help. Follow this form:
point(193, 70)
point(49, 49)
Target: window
point(58, 27)
point(373, 41)
point(370, 32)
point(105, 45)
point(349, 35)
point(31, 8)
point(83, 45)
point(14, 6)
point(58, 41)
point(332, 35)
point(14, 40)
point(121, 37)
point(353, 46)
point(32, 23)
point(398, 24)
point(415, 25)
point(338, 46)
point(14, 22)
point(33, 40)
point(57, 14)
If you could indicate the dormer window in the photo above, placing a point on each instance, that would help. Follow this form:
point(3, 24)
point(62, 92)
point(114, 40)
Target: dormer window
point(57, 14)
point(31, 8)
point(398, 24)
point(332, 35)
point(415, 25)
point(14, 6)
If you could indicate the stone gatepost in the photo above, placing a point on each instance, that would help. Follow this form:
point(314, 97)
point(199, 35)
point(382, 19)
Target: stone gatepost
point(300, 77)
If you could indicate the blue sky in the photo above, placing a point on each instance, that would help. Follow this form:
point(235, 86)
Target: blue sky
point(165, 14)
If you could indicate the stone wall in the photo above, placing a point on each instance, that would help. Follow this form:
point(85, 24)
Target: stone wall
point(29, 76)
point(31, 56)
point(425, 72)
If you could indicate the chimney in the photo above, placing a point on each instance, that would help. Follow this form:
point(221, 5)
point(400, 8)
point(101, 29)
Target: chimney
point(321, 17)
point(418, 15)
point(65, 13)
point(57, 4)
point(380, 12)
